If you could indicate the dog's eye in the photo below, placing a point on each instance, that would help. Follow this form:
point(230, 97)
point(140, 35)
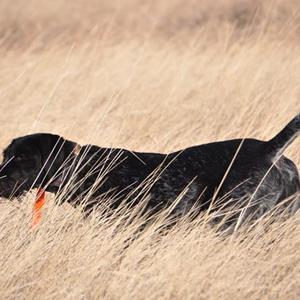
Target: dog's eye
point(18, 158)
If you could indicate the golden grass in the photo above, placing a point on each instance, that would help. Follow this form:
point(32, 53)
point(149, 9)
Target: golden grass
point(155, 76)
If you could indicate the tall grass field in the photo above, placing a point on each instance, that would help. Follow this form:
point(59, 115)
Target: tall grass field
point(153, 76)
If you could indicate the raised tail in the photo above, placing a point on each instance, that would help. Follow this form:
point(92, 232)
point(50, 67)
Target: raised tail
point(285, 137)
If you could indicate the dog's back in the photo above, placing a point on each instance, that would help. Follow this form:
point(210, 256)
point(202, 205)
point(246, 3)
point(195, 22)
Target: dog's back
point(239, 169)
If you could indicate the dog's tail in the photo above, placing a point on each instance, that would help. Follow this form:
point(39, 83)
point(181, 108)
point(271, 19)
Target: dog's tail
point(285, 137)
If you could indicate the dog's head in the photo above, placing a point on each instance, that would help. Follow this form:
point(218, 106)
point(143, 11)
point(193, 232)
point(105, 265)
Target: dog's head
point(34, 161)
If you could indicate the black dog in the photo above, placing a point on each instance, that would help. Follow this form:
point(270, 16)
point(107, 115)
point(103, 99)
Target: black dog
point(249, 173)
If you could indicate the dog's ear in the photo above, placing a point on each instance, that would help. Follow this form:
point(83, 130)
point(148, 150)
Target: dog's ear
point(56, 153)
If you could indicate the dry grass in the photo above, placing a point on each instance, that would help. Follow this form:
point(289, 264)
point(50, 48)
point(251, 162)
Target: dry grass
point(149, 76)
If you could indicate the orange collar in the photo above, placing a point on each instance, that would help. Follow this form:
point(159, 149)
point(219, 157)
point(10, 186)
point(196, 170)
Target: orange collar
point(37, 208)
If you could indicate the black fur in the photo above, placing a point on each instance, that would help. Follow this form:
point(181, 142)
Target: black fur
point(247, 173)
point(32, 161)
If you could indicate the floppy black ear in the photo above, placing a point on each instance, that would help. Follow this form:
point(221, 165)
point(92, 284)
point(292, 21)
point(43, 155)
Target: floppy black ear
point(56, 153)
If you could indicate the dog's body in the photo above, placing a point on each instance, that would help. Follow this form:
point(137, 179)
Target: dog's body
point(250, 173)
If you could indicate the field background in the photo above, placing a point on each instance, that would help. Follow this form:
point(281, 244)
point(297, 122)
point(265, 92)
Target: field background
point(148, 76)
